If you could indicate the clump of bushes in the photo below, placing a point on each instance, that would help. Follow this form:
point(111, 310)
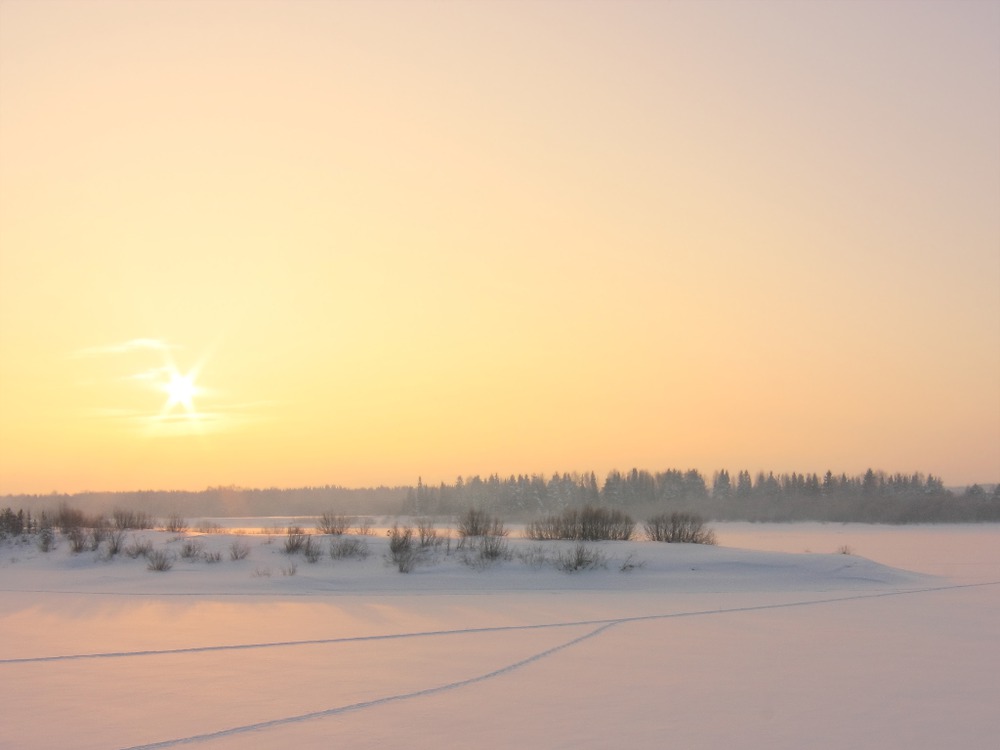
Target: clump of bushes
point(482, 538)
point(401, 548)
point(114, 541)
point(238, 550)
point(77, 538)
point(479, 523)
point(349, 548)
point(175, 524)
point(333, 523)
point(46, 538)
point(127, 520)
point(427, 535)
point(311, 551)
point(295, 540)
point(159, 560)
point(483, 551)
point(139, 548)
point(69, 519)
point(683, 528)
point(581, 557)
point(191, 549)
point(589, 524)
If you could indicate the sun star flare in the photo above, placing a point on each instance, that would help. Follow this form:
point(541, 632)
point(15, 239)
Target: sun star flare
point(181, 390)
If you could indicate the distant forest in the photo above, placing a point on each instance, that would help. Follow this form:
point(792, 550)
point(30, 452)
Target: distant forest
point(873, 497)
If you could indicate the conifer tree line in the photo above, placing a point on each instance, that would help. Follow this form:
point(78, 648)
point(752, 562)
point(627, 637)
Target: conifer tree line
point(872, 497)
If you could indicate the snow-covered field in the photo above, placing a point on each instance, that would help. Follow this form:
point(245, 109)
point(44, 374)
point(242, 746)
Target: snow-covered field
point(771, 640)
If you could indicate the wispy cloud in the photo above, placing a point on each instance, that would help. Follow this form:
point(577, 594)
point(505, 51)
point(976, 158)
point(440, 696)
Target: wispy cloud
point(157, 373)
point(126, 347)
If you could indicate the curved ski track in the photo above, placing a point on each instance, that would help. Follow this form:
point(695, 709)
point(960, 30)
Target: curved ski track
point(599, 626)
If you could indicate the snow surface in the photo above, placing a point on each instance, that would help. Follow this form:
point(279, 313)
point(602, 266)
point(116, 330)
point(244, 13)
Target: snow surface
point(770, 640)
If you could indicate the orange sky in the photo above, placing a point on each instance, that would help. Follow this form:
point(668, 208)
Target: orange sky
point(402, 239)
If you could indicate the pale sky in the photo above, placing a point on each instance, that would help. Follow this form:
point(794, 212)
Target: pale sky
point(371, 241)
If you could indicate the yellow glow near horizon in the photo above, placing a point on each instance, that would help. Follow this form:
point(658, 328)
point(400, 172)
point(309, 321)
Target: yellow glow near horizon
point(440, 239)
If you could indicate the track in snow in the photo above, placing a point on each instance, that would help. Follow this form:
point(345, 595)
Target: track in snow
point(464, 631)
point(600, 626)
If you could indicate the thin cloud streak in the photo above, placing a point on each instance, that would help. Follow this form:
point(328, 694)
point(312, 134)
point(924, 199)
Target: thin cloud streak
point(126, 347)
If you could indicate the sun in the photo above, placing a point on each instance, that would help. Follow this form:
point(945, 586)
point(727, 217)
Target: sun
point(181, 390)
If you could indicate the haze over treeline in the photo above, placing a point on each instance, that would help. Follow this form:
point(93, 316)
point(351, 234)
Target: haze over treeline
point(875, 496)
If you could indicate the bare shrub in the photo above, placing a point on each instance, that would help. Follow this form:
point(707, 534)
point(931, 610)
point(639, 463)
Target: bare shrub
point(77, 538)
point(549, 528)
point(129, 520)
point(212, 557)
point(427, 534)
point(845, 549)
point(261, 573)
point(349, 548)
point(534, 556)
point(192, 549)
point(590, 523)
point(311, 550)
point(68, 519)
point(581, 557)
point(363, 526)
point(175, 524)
point(138, 548)
point(290, 570)
point(683, 528)
point(401, 550)
point(238, 550)
point(406, 562)
point(46, 539)
point(97, 536)
point(476, 523)
point(494, 548)
point(484, 551)
point(159, 560)
point(295, 539)
point(207, 527)
point(114, 541)
point(334, 523)
point(400, 538)
point(630, 564)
